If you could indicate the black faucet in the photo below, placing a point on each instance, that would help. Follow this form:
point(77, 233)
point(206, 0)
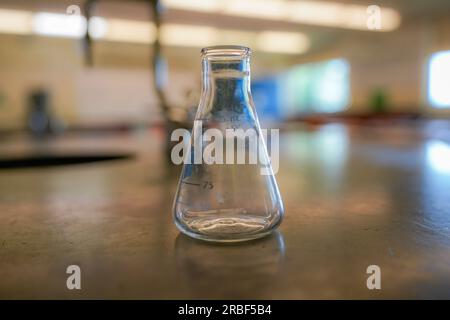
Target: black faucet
point(156, 58)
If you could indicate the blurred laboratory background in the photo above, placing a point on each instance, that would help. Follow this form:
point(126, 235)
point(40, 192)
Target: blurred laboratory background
point(310, 58)
point(90, 90)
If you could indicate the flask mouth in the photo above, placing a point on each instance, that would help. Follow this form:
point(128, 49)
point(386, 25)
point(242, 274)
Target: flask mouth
point(226, 52)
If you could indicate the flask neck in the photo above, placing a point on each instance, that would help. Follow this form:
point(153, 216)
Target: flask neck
point(226, 82)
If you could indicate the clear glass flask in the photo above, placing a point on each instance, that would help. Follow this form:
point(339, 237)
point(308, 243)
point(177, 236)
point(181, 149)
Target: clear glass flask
point(223, 199)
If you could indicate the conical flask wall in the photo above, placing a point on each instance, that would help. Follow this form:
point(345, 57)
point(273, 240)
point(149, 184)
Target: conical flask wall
point(227, 190)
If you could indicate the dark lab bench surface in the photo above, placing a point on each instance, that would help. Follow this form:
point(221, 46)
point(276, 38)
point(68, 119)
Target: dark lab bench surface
point(354, 197)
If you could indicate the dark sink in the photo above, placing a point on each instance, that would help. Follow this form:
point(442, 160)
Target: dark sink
point(50, 160)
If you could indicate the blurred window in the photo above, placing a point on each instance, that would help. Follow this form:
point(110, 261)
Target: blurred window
point(318, 87)
point(439, 80)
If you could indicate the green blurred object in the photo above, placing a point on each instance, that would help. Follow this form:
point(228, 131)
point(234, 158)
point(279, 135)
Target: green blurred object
point(379, 100)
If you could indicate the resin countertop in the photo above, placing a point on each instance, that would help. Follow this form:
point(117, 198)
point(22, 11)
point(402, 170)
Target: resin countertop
point(353, 197)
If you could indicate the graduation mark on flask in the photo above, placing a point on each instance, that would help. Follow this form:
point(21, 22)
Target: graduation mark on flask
point(206, 185)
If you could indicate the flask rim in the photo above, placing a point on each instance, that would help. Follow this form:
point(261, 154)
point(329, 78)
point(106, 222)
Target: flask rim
point(226, 52)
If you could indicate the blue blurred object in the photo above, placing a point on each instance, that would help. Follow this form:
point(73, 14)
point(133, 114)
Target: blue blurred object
point(265, 94)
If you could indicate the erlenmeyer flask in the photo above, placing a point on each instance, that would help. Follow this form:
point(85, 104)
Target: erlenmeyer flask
point(223, 199)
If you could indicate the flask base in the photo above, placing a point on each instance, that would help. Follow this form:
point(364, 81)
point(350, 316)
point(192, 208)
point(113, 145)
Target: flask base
point(227, 228)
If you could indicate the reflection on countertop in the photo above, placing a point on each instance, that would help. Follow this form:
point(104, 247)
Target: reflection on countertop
point(234, 270)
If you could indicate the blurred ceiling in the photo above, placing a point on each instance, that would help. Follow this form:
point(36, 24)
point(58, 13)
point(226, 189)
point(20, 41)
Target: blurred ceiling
point(137, 9)
point(410, 10)
point(133, 9)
